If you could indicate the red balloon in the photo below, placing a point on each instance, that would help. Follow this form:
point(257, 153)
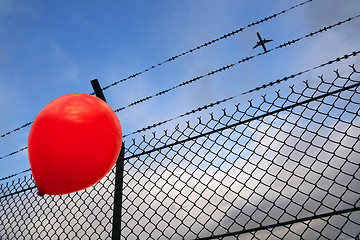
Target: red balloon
point(73, 143)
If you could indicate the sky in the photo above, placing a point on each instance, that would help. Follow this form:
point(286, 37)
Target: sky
point(52, 48)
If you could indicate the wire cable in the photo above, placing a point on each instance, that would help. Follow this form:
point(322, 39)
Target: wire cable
point(16, 129)
point(10, 154)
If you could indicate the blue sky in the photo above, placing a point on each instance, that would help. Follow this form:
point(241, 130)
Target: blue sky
point(51, 48)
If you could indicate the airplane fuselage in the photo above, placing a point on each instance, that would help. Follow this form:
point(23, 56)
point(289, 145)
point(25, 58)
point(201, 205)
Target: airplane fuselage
point(261, 42)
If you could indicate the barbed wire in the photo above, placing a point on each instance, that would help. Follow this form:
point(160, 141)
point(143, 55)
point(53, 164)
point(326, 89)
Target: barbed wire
point(181, 54)
point(222, 69)
point(10, 154)
point(13, 175)
point(234, 64)
point(272, 83)
point(338, 59)
point(206, 44)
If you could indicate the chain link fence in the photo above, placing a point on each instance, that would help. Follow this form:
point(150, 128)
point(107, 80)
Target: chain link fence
point(284, 167)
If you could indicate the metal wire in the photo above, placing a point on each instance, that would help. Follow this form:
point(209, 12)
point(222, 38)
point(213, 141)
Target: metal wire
point(15, 174)
point(16, 129)
point(12, 153)
point(284, 167)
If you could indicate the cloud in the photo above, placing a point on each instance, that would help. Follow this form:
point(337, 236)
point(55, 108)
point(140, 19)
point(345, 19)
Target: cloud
point(334, 42)
point(65, 63)
point(319, 14)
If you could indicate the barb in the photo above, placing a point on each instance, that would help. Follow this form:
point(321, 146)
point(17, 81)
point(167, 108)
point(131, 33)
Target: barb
point(207, 44)
point(234, 64)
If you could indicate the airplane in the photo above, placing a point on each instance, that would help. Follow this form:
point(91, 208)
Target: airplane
point(262, 42)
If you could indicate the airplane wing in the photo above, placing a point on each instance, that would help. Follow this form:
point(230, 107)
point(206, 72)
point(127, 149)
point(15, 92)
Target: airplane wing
point(257, 44)
point(262, 43)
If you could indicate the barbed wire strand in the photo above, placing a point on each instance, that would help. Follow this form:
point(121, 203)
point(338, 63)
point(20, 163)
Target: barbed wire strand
point(16, 129)
point(10, 154)
point(338, 59)
point(234, 64)
point(13, 175)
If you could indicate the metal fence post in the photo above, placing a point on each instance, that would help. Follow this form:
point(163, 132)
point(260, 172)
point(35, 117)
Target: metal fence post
point(119, 174)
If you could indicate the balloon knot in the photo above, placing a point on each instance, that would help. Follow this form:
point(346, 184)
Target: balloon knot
point(41, 194)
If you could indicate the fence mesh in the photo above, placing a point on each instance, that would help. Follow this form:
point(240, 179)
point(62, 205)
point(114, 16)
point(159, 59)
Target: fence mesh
point(284, 167)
